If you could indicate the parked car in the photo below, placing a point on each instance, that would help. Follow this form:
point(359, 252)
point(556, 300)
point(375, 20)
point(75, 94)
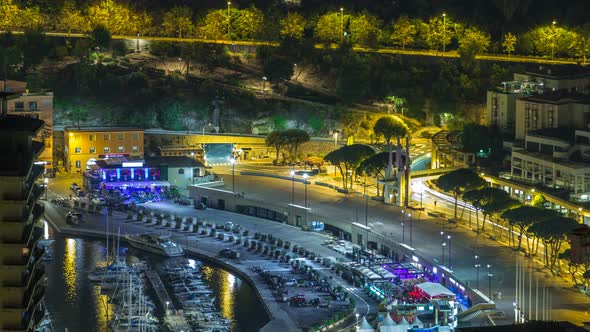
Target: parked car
point(229, 253)
point(81, 193)
point(228, 226)
point(200, 206)
point(290, 282)
point(74, 186)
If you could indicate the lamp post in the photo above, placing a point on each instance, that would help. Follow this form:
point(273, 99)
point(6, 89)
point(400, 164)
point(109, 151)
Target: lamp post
point(444, 32)
point(449, 238)
point(46, 181)
point(167, 303)
point(490, 275)
point(410, 215)
point(553, 38)
point(137, 44)
point(403, 227)
point(341, 25)
point(442, 247)
point(305, 183)
point(477, 266)
point(233, 169)
point(264, 78)
point(228, 20)
point(205, 126)
point(293, 187)
point(357, 320)
point(335, 139)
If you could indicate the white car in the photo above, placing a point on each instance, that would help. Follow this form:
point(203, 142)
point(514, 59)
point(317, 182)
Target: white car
point(98, 201)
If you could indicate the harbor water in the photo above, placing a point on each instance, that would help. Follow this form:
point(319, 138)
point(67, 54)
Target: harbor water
point(77, 304)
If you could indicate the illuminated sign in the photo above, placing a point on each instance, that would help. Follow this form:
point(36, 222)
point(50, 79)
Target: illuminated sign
point(133, 164)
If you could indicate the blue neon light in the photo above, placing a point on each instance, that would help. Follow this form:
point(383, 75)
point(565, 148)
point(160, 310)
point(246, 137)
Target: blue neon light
point(104, 175)
point(118, 174)
point(132, 174)
point(147, 173)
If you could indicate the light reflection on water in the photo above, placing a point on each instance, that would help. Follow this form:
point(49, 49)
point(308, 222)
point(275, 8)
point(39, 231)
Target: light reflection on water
point(69, 269)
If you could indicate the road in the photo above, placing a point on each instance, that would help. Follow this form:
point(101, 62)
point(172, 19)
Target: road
point(142, 40)
point(567, 303)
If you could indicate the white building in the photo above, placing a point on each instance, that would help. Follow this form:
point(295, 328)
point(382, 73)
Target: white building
point(558, 158)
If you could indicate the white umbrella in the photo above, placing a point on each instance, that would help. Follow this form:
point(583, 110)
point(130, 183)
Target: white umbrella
point(387, 325)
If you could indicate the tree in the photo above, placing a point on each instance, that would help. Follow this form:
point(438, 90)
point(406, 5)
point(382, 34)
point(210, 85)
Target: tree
point(374, 166)
point(101, 37)
point(34, 48)
point(438, 32)
point(473, 42)
point(116, 17)
point(277, 140)
point(509, 43)
point(278, 69)
point(292, 26)
point(523, 217)
point(213, 25)
point(553, 232)
point(77, 114)
point(365, 29)
point(10, 15)
point(70, 19)
point(293, 139)
point(248, 24)
point(329, 27)
point(404, 32)
point(30, 18)
point(390, 127)
point(314, 162)
point(572, 266)
point(348, 158)
point(458, 181)
point(120, 48)
point(178, 21)
point(206, 56)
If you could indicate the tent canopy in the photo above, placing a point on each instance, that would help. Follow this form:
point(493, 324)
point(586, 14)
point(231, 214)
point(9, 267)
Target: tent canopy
point(433, 289)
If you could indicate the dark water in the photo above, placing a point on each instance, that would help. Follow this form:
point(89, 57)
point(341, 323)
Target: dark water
point(76, 304)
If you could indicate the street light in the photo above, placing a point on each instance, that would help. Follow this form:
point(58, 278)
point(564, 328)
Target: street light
point(137, 44)
point(410, 215)
point(167, 303)
point(293, 187)
point(305, 175)
point(357, 320)
point(341, 24)
point(205, 126)
point(335, 139)
point(477, 266)
point(46, 181)
point(490, 275)
point(449, 238)
point(228, 20)
point(444, 32)
point(264, 82)
point(233, 168)
point(403, 227)
point(442, 245)
point(553, 38)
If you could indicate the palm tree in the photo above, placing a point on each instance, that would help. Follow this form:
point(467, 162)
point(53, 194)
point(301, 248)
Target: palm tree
point(390, 127)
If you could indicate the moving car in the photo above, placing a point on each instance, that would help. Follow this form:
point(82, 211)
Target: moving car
point(98, 201)
point(73, 218)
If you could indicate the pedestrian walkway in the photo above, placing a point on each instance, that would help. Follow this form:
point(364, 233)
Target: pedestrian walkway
point(175, 322)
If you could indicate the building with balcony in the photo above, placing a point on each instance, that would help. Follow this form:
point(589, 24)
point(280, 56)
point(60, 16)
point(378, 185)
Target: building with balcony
point(85, 145)
point(21, 266)
point(545, 87)
point(558, 158)
point(37, 105)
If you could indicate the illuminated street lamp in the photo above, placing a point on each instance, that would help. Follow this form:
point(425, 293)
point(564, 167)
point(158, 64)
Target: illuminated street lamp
point(449, 238)
point(293, 187)
point(137, 44)
point(264, 79)
point(305, 176)
point(167, 303)
point(403, 227)
point(357, 320)
point(477, 266)
point(205, 126)
point(442, 245)
point(444, 32)
point(341, 24)
point(490, 275)
point(46, 181)
point(335, 139)
point(553, 38)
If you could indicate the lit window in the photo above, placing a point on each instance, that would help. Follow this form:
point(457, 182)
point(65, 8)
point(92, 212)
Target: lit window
point(78, 163)
point(121, 148)
point(92, 149)
point(78, 150)
point(135, 148)
point(107, 149)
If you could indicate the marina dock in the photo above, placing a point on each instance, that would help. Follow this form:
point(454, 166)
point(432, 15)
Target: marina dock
point(174, 322)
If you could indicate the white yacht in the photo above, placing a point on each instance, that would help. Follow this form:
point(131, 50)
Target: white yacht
point(155, 243)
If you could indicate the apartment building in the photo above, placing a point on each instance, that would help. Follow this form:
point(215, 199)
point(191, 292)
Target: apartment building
point(21, 266)
point(505, 111)
point(558, 158)
point(85, 145)
point(36, 105)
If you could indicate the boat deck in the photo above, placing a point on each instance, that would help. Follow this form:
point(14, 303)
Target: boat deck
point(175, 322)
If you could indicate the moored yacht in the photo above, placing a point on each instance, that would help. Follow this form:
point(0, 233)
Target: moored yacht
point(155, 243)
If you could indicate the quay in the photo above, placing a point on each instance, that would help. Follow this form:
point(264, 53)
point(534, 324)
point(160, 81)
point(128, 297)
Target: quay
point(174, 322)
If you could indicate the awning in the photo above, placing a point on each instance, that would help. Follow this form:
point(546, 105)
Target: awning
point(433, 289)
point(136, 184)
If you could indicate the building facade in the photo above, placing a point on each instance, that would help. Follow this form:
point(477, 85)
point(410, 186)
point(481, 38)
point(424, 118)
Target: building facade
point(551, 110)
point(21, 266)
point(36, 105)
point(558, 162)
point(85, 145)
